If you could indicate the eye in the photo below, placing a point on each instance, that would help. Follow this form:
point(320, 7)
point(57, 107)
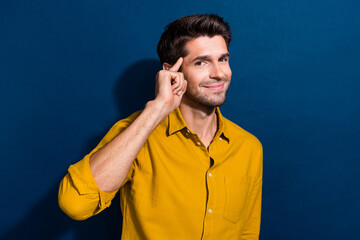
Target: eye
point(200, 63)
point(224, 59)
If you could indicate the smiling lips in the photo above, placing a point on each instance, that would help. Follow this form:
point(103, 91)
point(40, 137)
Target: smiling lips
point(215, 87)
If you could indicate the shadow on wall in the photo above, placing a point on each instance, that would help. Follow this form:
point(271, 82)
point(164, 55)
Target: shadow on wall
point(136, 86)
point(46, 221)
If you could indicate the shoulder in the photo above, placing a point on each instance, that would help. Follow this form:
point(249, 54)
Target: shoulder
point(238, 134)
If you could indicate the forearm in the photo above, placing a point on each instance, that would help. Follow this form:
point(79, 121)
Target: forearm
point(110, 164)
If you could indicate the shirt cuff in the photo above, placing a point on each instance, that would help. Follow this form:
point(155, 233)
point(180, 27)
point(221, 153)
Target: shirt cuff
point(85, 184)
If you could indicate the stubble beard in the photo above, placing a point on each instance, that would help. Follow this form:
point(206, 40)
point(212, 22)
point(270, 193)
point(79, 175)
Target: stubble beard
point(206, 100)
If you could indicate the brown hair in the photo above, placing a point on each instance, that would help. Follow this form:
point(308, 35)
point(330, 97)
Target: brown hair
point(172, 42)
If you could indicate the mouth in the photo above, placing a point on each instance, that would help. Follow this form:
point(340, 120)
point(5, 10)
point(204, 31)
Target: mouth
point(215, 87)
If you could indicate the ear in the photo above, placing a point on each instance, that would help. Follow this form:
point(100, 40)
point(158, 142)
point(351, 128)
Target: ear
point(166, 66)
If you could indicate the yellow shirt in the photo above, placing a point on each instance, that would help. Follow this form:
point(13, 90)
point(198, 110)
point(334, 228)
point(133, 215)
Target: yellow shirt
point(176, 187)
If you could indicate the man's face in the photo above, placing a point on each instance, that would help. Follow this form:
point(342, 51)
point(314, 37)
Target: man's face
point(207, 71)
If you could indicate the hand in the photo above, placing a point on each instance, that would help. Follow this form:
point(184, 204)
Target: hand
point(170, 86)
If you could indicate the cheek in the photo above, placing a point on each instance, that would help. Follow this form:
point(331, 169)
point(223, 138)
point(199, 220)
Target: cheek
point(228, 72)
point(194, 78)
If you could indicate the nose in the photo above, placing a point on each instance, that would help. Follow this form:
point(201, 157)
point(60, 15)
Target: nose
point(216, 72)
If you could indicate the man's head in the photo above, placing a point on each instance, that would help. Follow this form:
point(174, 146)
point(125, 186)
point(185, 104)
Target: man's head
point(203, 43)
point(172, 42)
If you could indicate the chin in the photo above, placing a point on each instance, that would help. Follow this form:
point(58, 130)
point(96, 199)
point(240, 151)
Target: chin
point(214, 104)
point(216, 100)
point(211, 103)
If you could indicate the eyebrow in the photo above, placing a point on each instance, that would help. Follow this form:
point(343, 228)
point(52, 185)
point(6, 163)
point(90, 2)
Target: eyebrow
point(207, 57)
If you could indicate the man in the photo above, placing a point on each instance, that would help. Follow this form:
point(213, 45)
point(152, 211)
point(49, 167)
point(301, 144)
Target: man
point(183, 170)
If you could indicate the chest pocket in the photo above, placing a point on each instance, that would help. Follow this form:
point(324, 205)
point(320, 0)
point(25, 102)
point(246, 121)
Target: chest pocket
point(237, 195)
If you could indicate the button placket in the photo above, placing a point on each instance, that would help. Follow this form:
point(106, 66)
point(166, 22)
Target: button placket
point(210, 191)
point(187, 132)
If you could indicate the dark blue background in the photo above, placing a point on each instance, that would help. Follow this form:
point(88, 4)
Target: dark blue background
point(70, 69)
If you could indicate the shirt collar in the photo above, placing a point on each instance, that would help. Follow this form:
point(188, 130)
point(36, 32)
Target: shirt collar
point(222, 129)
point(177, 123)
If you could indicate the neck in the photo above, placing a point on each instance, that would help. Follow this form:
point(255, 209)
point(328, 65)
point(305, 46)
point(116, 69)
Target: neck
point(200, 120)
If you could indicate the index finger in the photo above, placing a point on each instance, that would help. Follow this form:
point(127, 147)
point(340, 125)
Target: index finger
point(177, 65)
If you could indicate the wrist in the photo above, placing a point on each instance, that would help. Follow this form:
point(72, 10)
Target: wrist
point(157, 109)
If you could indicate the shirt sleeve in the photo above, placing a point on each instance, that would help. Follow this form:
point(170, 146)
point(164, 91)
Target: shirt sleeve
point(253, 213)
point(79, 196)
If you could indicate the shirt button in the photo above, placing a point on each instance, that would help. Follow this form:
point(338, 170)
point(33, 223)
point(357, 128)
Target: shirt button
point(198, 143)
point(210, 174)
point(220, 138)
point(210, 210)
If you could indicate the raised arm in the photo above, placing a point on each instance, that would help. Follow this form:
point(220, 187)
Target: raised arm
point(111, 162)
